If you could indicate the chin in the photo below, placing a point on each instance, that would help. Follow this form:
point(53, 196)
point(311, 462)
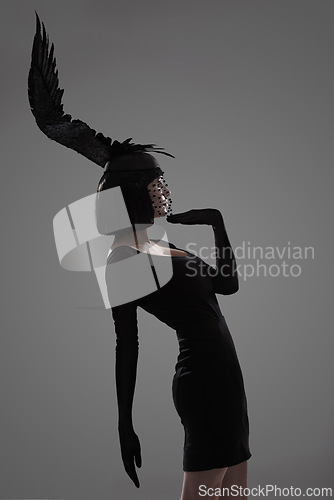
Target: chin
point(156, 215)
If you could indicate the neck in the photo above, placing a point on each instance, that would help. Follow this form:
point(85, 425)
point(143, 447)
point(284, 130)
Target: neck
point(135, 236)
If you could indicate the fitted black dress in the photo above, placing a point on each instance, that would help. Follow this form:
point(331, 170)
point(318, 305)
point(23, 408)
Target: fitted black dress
point(208, 389)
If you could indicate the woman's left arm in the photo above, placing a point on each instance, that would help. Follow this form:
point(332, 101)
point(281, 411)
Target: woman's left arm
point(225, 277)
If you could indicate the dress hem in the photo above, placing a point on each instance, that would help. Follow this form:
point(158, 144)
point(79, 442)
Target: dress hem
point(215, 457)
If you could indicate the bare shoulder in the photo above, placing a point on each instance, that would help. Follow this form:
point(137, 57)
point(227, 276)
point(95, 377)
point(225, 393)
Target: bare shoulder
point(120, 252)
point(158, 247)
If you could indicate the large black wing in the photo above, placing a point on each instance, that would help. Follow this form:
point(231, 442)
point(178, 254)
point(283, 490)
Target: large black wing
point(45, 98)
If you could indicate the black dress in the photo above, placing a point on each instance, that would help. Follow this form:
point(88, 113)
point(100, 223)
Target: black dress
point(208, 389)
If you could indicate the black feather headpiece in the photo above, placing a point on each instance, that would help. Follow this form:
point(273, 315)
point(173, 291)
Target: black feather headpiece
point(45, 98)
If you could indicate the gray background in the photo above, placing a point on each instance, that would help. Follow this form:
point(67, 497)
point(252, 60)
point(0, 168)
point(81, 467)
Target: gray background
point(241, 93)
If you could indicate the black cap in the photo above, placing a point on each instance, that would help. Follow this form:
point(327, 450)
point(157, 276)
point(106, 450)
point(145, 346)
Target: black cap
point(132, 162)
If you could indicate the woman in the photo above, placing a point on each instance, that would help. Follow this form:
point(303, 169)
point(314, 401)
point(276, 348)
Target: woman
point(208, 390)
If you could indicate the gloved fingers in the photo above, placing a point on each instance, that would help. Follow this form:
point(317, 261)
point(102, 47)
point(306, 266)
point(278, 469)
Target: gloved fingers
point(181, 218)
point(138, 458)
point(196, 216)
point(131, 471)
point(137, 451)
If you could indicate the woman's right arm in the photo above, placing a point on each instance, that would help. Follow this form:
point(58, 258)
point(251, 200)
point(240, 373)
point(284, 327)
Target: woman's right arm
point(127, 347)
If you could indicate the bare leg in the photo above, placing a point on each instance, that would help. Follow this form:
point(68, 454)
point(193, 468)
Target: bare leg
point(235, 476)
point(207, 478)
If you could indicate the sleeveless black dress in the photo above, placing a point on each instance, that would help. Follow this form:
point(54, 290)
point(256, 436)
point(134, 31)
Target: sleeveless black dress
point(207, 388)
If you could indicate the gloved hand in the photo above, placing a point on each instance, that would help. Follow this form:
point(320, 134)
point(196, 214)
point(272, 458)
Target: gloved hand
point(210, 216)
point(130, 451)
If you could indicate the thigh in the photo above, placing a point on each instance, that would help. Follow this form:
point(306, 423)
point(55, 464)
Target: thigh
point(235, 476)
point(196, 484)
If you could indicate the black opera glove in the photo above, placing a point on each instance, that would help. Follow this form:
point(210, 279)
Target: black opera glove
point(127, 349)
point(225, 278)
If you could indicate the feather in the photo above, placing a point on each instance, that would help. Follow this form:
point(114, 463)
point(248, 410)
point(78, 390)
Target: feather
point(45, 99)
